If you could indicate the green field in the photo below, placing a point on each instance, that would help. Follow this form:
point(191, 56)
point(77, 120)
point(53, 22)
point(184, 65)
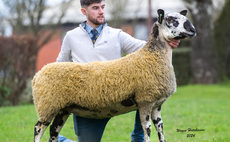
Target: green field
point(195, 107)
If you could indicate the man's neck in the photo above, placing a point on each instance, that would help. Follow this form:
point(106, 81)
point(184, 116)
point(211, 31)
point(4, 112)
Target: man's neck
point(93, 25)
point(89, 28)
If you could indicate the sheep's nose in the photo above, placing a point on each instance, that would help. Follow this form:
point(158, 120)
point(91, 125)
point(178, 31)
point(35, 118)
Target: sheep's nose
point(193, 30)
point(189, 27)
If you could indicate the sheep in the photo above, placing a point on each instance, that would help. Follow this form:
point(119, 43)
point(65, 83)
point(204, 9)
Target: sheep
point(142, 80)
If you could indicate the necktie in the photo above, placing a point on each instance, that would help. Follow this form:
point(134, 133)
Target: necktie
point(95, 35)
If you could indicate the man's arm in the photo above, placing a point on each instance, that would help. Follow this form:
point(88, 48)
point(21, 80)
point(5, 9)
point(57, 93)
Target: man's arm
point(130, 44)
point(65, 53)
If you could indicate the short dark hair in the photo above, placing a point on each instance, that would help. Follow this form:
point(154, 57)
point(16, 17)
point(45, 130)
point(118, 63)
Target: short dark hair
point(89, 2)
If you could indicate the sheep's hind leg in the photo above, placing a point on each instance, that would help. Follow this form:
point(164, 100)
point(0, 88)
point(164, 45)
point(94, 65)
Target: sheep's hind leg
point(39, 130)
point(145, 113)
point(57, 125)
point(157, 121)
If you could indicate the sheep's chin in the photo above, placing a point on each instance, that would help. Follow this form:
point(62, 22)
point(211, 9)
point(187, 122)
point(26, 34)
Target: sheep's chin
point(183, 36)
point(179, 37)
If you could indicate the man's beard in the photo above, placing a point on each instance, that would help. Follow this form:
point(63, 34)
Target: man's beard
point(95, 21)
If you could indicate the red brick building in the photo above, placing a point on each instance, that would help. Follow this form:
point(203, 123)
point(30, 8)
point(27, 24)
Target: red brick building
point(49, 52)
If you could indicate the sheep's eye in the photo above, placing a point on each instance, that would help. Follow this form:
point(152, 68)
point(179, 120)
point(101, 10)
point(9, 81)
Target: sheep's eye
point(171, 19)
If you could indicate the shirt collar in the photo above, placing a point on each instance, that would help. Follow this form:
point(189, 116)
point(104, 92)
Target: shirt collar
point(88, 28)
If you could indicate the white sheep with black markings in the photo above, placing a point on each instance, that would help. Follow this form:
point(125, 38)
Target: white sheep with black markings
point(142, 80)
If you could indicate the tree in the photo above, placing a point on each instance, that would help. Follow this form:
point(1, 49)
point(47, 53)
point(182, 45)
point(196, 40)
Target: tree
point(117, 11)
point(222, 36)
point(150, 21)
point(204, 58)
point(14, 67)
point(27, 17)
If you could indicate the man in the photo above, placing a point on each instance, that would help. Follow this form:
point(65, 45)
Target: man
point(92, 41)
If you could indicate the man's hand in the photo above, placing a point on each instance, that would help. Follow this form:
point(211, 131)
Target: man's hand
point(173, 43)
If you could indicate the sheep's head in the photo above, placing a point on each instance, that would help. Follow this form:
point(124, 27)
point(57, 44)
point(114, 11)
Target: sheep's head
point(175, 25)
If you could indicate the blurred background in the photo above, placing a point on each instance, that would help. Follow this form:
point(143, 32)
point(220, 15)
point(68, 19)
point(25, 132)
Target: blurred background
point(31, 34)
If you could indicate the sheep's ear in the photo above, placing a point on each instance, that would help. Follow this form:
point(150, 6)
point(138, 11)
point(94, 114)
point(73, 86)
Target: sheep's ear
point(184, 12)
point(161, 15)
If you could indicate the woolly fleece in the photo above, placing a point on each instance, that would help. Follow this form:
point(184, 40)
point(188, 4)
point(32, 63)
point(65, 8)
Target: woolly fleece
point(147, 74)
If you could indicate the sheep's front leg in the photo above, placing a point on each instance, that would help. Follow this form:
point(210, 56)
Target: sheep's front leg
point(157, 121)
point(145, 113)
point(57, 125)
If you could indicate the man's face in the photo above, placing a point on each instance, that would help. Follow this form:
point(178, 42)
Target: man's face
point(95, 14)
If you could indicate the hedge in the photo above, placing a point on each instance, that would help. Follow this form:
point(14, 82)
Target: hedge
point(182, 65)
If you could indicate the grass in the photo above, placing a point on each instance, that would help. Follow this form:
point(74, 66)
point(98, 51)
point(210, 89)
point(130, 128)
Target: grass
point(195, 106)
